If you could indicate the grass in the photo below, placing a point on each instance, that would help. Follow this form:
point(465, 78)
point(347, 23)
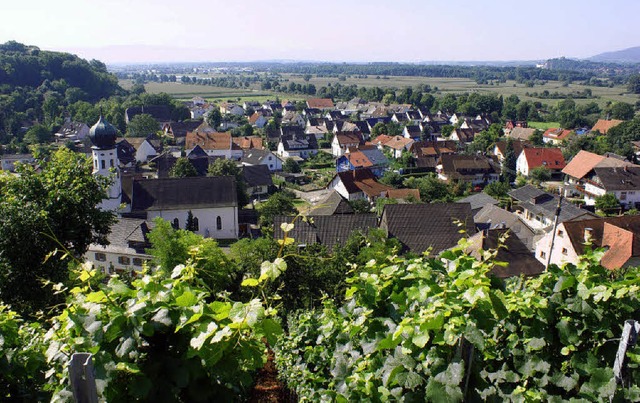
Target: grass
point(602, 95)
point(543, 125)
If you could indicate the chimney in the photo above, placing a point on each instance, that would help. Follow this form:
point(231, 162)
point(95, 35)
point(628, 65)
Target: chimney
point(588, 235)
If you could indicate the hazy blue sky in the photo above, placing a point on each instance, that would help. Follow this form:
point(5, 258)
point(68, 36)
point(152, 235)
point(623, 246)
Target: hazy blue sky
point(333, 30)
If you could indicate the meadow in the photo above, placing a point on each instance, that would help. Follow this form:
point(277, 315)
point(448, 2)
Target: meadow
point(601, 95)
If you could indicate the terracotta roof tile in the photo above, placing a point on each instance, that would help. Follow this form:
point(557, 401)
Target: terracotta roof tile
point(603, 126)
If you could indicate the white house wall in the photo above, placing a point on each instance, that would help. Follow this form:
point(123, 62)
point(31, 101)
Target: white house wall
point(206, 220)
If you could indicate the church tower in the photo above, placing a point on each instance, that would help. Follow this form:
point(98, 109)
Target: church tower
point(105, 160)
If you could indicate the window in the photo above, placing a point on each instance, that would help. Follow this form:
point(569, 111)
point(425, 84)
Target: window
point(270, 158)
point(623, 195)
point(101, 257)
point(560, 232)
point(111, 163)
point(196, 224)
point(176, 223)
point(564, 251)
point(543, 254)
point(137, 261)
point(124, 260)
point(102, 164)
point(218, 223)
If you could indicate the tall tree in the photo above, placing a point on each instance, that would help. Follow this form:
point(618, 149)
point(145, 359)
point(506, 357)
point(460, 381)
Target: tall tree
point(225, 167)
point(41, 212)
point(142, 125)
point(183, 169)
point(510, 159)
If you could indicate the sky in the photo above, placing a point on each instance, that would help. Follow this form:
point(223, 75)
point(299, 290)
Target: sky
point(140, 31)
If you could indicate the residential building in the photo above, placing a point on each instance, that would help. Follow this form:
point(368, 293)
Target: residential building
point(427, 228)
point(358, 184)
point(297, 145)
point(473, 169)
point(365, 157)
point(8, 161)
point(619, 236)
point(261, 157)
point(258, 180)
point(533, 157)
point(320, 103)
point(343, 141)
point(602, 126)
point(72, 131)
point(622, 182)
point(555, 136)
point(214, 144)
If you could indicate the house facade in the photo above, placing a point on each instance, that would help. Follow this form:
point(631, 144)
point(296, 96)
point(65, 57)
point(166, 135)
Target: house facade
point(533, 157)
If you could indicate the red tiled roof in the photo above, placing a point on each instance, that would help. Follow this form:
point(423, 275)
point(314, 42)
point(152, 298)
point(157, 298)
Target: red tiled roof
point(209, 141)
point(398, 142)
point(248, 143)
point(582, 163)
point(358, 159)
point(403, 193)
point(320, 103)
point(603, 126)
point(549, 157)
point(620, 246)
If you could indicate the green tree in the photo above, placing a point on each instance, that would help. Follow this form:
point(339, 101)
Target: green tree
point(360, 206)
point(509, 165)
point(392, 178)
point(38, 134)
point(633, 84)
point(142, 125)
point(183, 169)
point(290, 165)
point(540, 174)
point(430, 187)
point(536, 138)
point(214, 118)
point(225, 167)
point(378, 128)
point(447, 130)
point(190, 224)
point(622, 111)
point(42, 212)
point(280, 203)
point(497, 189)
point(608, 204)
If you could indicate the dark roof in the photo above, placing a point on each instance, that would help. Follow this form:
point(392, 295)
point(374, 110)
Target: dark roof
point(520, 261)
point(299, 141)
point(257, 175)
point(540, 202)
point(612, 179)
point(420, 227)
point(362, 180)
point(126, 152)
point(103, 134)
point(460, 166)
point(180, 129)
point(130, 232)
point(183, 193)
point(478, 200)
point(291, 131)
point(333, 204)
point(492, 217)
point(164, 162)
point(254, 156)
point(328, 230)
point(161, 113)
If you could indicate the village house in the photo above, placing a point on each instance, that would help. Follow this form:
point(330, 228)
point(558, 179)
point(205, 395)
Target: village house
point(293, 118)
point(491, 216)
point(161, 113)
point(200, 111)
point(521, 133)
point(358, 184)
point(538, 208)
point(460, 135)
point(412, 132)
point(328, 230)
point(619, 236)
point(365, 157)
point(555, 136)
point(148, 148)
point(473, 169)
point(334, 203)
point(214, 144)
point(622, 182)
point(178, 130)
point(258, 120)
point(500, 148)
point(249, 142)
point(343, 141)
point(582, 165)
point(394, 144)
point(431, 227)
point(427, 153)
point(72, 131)
point(532, 157)
point(320, 103)
point(258, 180)
point(230, 108)
point(296, 144)
point(126, 249)
point(8, 161)
point(602, 126)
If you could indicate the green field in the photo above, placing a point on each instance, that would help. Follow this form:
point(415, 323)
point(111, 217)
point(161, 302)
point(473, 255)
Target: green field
point(543, 125)
point(601, 95)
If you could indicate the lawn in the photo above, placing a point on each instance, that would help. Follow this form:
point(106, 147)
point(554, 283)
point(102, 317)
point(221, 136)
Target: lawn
point(544, 125)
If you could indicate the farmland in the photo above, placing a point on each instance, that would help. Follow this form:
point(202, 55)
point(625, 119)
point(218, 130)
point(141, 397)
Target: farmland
point(600, 95)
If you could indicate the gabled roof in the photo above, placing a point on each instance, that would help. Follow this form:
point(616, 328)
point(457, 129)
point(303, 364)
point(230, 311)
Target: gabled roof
point(422, 226)
point(585, 161)
point(160, 113)
point(333, 204)
point(478, 200)
point(457, 166)
point(397, 142)
point(541, 202)
point(413, 130)
point(520, 261)
point(348, 139)
point(248, 142)
point(612, 179)
point(299, 141)
point(254, 156)
point(126, 152)
point(362, 180)
point(556, 134)
point(603, 126)
point(254, 118)
point(320, 103)
point(603, 232)
point(403, 194)
point(328, 230)
point(209, 140)
point(183, 193)
point(366, 157)
point(180, 129)
point(491, 216)
point(257, 175)
point(518, 146)
point(465, 135)
point(550, 158)
point(521, 133)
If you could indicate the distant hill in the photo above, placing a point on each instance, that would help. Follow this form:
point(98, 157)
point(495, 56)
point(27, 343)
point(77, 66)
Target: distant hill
point(29, 67)
point(630, 55)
